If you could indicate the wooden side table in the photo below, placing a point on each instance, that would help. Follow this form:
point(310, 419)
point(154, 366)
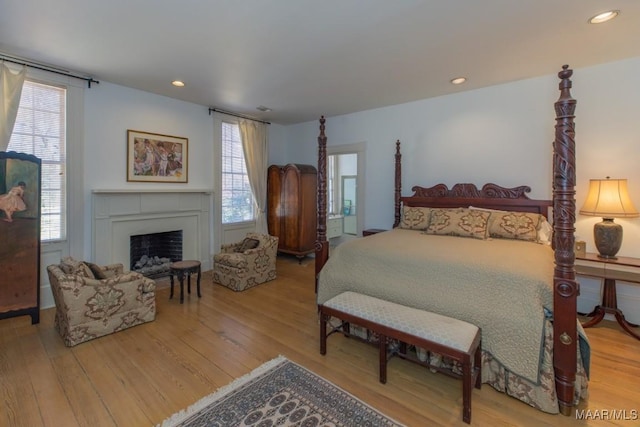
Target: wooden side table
point(625, 269)
point(182, 269)
point(370, 231)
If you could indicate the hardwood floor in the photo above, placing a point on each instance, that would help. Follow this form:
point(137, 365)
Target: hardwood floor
point(140, 376)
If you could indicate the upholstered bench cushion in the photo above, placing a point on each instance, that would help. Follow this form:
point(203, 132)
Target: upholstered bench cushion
point(434, 327)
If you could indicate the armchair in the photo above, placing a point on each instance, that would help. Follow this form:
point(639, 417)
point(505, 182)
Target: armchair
point(93, 301)
point(242, 265)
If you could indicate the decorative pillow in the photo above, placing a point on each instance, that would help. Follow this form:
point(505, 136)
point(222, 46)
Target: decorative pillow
point(415, 218)
point(69, 265)
point(515, 225)
point(247, 243)
point(459, 222)
point(544, 230)
point(98, 272)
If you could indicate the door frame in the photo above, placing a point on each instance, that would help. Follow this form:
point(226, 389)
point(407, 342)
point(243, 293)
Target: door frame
point(359, 149)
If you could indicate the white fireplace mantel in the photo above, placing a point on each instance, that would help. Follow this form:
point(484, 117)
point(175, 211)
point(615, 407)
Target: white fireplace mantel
point(120, 214)
point(152, 191)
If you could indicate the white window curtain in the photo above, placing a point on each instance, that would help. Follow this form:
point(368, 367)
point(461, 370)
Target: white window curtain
point(10, 92)
point(255, 148)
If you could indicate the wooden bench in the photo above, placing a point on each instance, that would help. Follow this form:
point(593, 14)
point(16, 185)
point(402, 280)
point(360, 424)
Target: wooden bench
point(456, 339)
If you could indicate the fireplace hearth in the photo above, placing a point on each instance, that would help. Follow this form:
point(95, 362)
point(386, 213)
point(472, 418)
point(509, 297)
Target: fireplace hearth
point(151, 254)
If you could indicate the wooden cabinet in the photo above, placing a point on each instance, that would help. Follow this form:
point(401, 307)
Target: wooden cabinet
point(291, 207)
point(19, 235)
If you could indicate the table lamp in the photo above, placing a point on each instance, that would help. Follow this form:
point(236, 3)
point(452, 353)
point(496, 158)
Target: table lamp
point(609, 199)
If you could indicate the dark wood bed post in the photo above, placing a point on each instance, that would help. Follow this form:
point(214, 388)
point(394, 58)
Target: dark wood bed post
point(564, 215)
point(322, 245)
point(398, 184)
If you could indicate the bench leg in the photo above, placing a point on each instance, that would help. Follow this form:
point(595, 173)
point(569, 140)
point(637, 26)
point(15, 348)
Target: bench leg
point(382, 344)
point(346, 329)
point(402, 348)
point(467, 385)
point(323, 333)
point(477, 366)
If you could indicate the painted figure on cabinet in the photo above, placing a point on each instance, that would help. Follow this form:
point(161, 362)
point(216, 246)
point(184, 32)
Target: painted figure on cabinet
point(19, 189)
point(12, 201)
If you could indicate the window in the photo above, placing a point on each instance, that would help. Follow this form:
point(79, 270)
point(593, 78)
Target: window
point(237, 198)
point(40, 129)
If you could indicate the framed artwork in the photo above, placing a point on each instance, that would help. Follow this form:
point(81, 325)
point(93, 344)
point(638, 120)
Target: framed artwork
point(152, 157)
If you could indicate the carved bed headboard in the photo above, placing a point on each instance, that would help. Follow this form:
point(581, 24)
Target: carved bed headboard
point(491, 196)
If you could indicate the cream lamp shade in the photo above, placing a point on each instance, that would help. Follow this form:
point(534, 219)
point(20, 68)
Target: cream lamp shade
point(608, 198)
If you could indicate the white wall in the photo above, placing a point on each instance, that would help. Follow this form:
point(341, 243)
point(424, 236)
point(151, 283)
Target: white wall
point(501, 134)
point(111, 109)
point(277, 145)
point(608, 140)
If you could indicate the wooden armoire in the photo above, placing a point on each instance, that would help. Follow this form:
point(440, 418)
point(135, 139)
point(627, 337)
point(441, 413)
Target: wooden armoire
point(291, 207)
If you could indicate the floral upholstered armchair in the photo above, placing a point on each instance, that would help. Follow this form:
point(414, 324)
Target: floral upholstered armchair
point(93, 301)
point(245, 264)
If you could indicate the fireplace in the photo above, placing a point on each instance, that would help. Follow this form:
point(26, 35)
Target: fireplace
point(119, 215)
point(152, 254)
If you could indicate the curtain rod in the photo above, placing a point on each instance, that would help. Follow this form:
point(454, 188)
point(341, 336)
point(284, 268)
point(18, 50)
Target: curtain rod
point(45, 67)
point(217, 110)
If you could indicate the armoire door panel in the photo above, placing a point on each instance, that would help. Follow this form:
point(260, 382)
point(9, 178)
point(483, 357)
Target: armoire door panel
point(273, 200)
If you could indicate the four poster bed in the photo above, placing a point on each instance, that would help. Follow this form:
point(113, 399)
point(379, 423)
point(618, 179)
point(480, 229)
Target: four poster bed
point(479, 255)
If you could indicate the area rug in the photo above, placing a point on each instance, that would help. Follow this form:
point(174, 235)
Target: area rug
point(279, 393)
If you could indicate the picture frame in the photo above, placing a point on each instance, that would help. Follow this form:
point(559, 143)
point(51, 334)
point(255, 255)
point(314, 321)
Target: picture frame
point(153, 157)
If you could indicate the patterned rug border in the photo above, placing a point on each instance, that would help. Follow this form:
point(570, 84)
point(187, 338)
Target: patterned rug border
point(201, 404)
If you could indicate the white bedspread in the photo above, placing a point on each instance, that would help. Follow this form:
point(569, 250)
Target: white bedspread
point(500, 285)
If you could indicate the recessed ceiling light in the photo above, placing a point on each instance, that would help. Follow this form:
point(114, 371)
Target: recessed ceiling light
point(458, 80)
point(263, 108)
point(604, 17)
point(178, 83)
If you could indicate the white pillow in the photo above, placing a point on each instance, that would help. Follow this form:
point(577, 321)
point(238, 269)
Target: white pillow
point(545, 231)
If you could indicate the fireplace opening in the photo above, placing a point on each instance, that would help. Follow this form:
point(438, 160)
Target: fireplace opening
point(152, 254)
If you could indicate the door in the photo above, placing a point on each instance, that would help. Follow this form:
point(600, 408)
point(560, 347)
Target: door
point(349, 204)
point(347, 161)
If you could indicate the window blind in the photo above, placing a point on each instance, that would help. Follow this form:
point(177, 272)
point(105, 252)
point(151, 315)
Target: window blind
point(40, 130)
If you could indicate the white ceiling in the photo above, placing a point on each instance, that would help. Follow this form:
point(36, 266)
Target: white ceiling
point(304, 58)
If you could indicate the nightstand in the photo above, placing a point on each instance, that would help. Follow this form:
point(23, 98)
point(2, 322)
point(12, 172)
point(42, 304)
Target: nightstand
point(370, 231)
point(623, 268)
